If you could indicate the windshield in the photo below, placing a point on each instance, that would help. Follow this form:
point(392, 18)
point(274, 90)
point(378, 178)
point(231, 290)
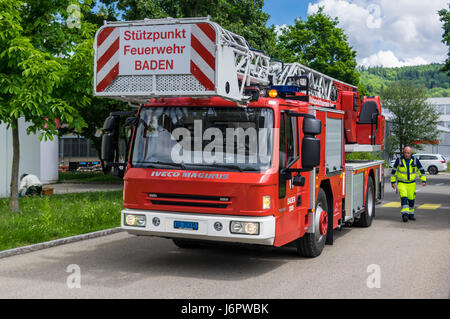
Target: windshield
point(204, 138)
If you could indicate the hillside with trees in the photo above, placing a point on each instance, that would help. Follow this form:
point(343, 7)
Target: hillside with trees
point(430, 76)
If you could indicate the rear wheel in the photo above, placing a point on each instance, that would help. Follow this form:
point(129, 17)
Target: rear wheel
point(366, 218)
point(432, 170)
point(311, 244)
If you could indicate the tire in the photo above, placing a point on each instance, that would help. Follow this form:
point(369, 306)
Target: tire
point(433, 170)
point(185, 243)
point(366, 217)
point(311, 244)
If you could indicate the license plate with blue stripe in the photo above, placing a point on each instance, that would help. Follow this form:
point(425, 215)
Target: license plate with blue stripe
point(185, 225)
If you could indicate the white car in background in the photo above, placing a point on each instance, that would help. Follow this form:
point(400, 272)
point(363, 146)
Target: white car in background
point(391, 163)
point(432, 163)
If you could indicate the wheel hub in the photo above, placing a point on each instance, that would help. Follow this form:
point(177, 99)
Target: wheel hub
point(323, 223)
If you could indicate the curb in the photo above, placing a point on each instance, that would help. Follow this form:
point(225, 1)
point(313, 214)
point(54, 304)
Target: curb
point(57, 242)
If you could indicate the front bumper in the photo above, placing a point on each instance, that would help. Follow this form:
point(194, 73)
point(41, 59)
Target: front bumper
point(206, 230)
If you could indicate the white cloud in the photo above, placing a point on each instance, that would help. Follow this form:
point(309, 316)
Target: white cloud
point(279, 29)
point(397, 32)
point(388, 59)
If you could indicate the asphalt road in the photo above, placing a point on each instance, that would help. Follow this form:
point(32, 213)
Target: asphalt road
point(391, 259)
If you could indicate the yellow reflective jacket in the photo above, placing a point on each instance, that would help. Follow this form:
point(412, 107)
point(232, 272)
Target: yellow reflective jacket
point(404, 173)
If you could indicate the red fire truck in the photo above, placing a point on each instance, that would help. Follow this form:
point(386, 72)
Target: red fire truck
point(231, 146)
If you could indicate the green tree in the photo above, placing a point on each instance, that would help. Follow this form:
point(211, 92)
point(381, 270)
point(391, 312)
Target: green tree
point(430, 76)
point(320, 44)
point(445, 17)
point(34, 44)
point(243, 17)
point(102, 10)
point(413, 119)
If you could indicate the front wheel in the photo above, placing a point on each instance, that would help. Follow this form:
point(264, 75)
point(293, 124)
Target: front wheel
point(312, 244)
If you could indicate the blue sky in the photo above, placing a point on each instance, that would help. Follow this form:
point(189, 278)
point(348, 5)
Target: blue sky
point(390, 33)
point(285, 11)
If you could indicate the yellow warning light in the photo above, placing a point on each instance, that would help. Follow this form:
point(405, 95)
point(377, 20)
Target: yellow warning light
point(273, 93)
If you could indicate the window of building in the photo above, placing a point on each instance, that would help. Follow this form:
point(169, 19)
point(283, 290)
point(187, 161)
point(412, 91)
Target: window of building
point(440, 108)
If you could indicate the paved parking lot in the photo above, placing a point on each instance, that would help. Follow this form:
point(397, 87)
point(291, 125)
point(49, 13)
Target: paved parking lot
point(391, 259)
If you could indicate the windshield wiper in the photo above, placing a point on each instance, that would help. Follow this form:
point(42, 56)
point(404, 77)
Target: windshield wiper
point(223, 165)
point(229, 166)
point(159, 163)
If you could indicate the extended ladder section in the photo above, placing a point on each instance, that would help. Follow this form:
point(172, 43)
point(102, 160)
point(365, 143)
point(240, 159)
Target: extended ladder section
point(318, 85)
point(193, 57)
point(139, 60)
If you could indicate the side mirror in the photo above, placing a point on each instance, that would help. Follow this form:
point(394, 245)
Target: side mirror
point(310, 143)
point(298, 180)
point(310, 152)
point(109, 139)
point(108, 142)
point(111, 123)
point(311, 126)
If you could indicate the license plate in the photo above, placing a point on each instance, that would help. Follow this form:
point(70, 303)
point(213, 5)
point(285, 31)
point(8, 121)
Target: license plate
point(185, 225)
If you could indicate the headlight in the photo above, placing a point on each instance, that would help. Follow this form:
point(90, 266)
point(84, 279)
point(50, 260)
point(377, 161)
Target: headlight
point(248, 228)
point(135, 220)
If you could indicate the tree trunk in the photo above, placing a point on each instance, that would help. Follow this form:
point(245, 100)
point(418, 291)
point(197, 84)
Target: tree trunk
point(14, 188)
point(196, 8)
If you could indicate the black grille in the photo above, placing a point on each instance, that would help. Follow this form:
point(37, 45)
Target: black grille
point(189, 200)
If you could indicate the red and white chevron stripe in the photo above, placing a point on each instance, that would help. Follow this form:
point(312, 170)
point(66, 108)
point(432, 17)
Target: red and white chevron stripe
point(203, 54)
point(108, 44)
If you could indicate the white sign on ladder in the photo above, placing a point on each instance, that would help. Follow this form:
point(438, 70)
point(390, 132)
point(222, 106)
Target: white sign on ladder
point(140, 55)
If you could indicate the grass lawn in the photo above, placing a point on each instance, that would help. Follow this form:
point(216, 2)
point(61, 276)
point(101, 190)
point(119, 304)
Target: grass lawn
point(57, 216)
point(87, 177)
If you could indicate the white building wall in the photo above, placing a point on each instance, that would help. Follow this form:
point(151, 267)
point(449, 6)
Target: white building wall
point(49, 161)
point(442, 104)
point(36, 157)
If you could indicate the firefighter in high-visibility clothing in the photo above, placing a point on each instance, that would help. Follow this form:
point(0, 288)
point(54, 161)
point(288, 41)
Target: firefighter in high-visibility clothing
point(404, 173)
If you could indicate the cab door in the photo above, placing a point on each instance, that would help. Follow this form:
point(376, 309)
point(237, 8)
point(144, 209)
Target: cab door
point(288, 219)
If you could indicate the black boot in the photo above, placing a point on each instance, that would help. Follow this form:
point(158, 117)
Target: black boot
point(411, 217)
point(405, 217)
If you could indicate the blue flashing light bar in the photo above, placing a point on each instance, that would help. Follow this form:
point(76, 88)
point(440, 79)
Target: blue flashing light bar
point(286, 89)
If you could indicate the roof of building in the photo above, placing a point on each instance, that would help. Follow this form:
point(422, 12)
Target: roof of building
point(439, 100)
